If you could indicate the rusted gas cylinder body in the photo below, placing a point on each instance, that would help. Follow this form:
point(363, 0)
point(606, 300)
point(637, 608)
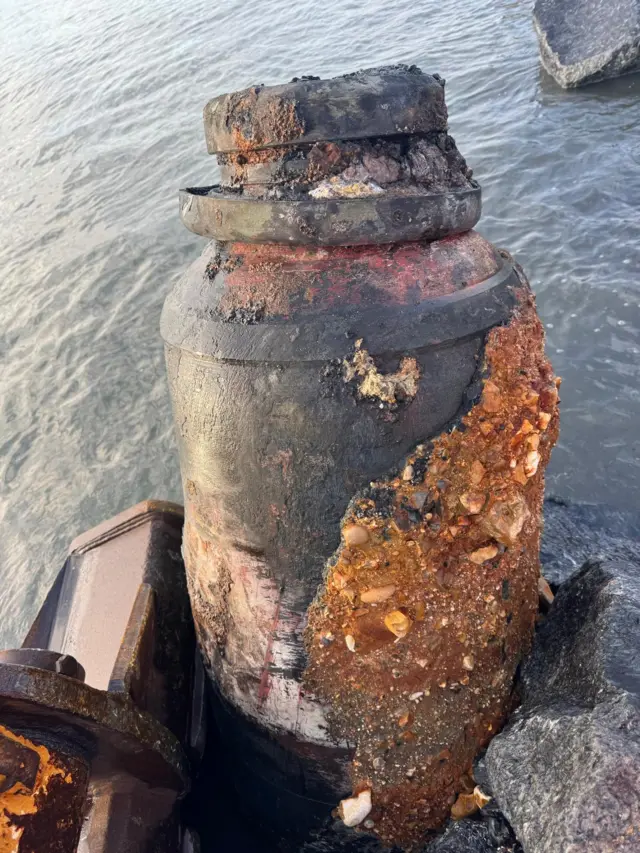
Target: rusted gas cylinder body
point(364, 412)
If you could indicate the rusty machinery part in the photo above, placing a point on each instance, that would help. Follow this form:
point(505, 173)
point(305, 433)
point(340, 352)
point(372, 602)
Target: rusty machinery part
point(96, 757)
point(330, 441)
point(356, 160)
point(377, 102)
point(385, 218)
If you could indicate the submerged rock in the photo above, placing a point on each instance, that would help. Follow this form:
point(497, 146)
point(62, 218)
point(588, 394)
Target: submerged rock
point(583, 41)
point(576, 532)
point(566, 770)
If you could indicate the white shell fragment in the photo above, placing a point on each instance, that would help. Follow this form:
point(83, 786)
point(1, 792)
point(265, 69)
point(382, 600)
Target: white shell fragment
point(480, 797)
point(355, 809)
point(377, 594)
point(339, 187)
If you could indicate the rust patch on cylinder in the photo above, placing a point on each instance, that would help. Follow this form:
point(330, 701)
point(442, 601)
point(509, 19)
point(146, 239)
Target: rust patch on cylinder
point(430, 602)
point(40, 810)
point(280, 280)
point(255, 126)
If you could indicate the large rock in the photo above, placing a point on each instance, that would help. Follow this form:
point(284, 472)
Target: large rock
point(582, 41)
point(576, 532)
point(566, 770)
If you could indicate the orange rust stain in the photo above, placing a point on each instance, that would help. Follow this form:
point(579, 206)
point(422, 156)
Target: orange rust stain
point(456, 536)
point(18, 800)
point(297, 279)
point(277, 122)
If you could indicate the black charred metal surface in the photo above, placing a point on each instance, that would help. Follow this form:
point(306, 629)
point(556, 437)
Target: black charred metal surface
point(309, 411)
point(386, 218)
point(345, 444)
point(388, 101)
point(282, 141)
point(18, 763)
point(273, 391)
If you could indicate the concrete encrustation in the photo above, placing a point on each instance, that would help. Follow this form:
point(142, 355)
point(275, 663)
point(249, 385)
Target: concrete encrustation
point(426, 613)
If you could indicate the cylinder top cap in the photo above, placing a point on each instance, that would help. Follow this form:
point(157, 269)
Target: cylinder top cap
point(387, 101)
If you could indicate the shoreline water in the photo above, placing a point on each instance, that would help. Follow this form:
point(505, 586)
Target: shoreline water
point(99, 108)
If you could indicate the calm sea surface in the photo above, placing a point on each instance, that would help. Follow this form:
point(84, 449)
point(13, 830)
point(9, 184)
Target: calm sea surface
point(100, 123)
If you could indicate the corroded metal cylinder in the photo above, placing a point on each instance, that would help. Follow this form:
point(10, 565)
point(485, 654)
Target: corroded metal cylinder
point(364, 412)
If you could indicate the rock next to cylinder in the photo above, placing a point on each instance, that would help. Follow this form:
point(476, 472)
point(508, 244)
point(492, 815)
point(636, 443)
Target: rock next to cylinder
point(429, 604)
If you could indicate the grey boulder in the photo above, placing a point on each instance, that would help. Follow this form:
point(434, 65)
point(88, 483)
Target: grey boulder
point(566, 770)
point(583, 41)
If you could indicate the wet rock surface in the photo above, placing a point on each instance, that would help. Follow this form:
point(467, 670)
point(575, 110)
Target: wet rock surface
point(566, 770)
point(487, 832)
point(576, 532)
point(583, 41)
